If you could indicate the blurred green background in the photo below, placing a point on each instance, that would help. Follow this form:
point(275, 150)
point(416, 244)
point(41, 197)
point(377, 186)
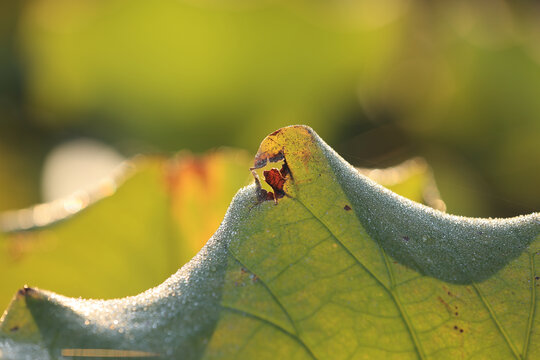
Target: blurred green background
point(457, 82)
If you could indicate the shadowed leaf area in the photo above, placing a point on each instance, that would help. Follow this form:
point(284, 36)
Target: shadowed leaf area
point(338, 268)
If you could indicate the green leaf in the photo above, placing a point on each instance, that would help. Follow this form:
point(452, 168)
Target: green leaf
point(412, 179)
point(127, 235)
point(339, 268)
point(92, 253)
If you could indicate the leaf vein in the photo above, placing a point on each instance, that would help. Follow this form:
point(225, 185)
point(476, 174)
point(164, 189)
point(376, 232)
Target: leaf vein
point(268, 322)
point(496, 321)
point(404, 315)
point(532, 308)
point(275, 298)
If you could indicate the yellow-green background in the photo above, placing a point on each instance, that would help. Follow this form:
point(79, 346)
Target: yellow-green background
point(457, 82)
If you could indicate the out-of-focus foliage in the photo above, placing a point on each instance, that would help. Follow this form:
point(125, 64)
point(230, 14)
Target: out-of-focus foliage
point(454, 81)
point(128, 241)
point(200, 190)
point(412, 179)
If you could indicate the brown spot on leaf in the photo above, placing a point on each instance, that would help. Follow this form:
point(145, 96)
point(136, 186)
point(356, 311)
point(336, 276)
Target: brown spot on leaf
point(25, 291)
point(265, 195)
point(278, 157)
point(458, 329)
point(441, 300)
point(259, 163)
point(285, 170)
point(270, 196)
point(274, 178)
point(347, 208)
point(13, 329)
point(262, 159)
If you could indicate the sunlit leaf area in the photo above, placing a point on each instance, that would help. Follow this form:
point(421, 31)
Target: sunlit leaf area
point(130, 128)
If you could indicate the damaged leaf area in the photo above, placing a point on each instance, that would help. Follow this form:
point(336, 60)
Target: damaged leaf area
point(275, 179)
point(330, 266)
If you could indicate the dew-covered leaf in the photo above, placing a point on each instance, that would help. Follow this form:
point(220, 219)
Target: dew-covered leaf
point(330, 265)
point(412, 179)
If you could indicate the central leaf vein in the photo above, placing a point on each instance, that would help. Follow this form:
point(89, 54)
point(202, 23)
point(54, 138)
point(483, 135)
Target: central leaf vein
point(532, 307)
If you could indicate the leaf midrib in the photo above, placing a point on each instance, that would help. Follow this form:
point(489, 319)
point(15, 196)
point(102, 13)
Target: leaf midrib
point(532, 308)
point(397, 300)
